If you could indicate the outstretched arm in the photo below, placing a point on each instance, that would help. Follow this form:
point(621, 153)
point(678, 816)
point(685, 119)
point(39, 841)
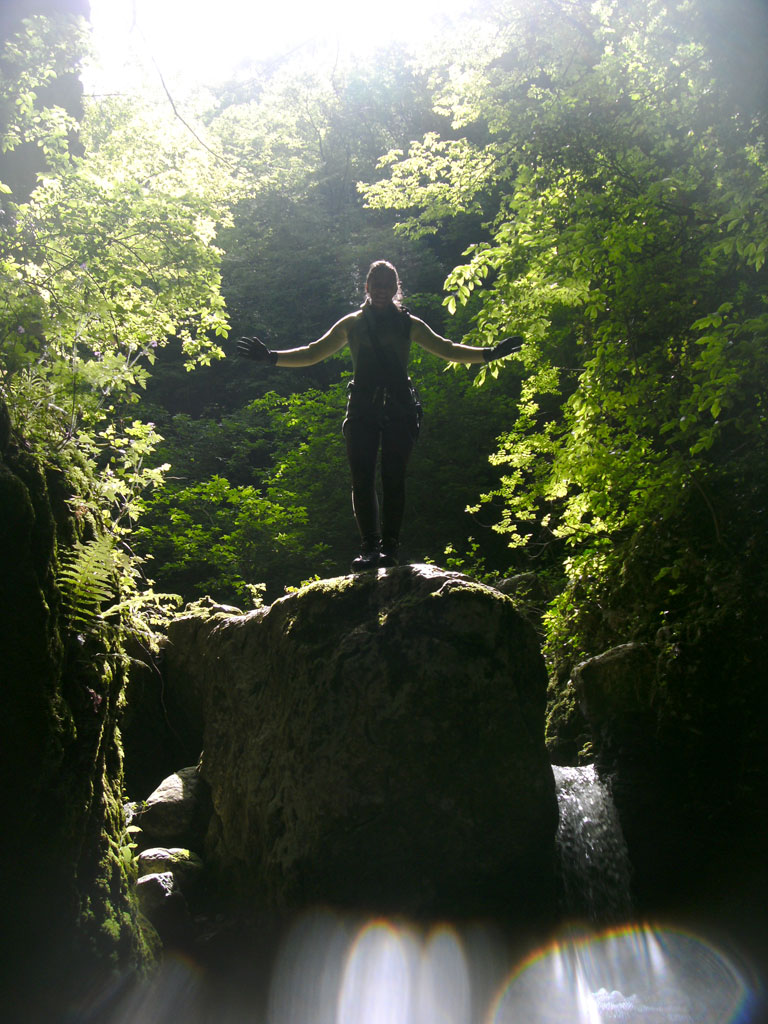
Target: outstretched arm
point(306, 355)
point(453, 352)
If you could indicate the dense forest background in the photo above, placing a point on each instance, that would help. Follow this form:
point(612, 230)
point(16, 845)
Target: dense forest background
point(592, 176)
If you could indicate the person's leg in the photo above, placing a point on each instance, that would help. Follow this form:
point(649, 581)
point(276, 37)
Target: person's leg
point(398, 437)
point(362, 439)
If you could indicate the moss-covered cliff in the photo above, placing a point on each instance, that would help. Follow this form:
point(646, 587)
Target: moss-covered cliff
point(65, 872)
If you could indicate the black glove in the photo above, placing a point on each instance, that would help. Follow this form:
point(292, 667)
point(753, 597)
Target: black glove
point(252, 348)
point(504, 348)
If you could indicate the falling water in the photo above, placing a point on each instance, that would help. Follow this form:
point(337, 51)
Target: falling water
point(594, 865)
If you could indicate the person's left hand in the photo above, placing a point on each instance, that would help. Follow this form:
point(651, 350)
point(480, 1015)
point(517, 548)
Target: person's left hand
point(504, 348)
point(254, 348)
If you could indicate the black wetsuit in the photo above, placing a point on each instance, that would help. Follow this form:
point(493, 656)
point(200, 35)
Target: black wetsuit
point(381, 414)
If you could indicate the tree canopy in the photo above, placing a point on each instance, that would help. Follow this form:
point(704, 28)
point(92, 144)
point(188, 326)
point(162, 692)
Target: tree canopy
point(620, 165)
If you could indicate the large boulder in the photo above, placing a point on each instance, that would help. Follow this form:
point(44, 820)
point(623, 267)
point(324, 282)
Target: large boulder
point(618, 693)
point(666, 755)
point(377, 741)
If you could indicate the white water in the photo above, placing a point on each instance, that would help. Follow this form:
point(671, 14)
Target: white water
point(594, 865)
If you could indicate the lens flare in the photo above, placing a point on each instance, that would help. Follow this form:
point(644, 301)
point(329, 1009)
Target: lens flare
point(307, 976)
point(378, 977)
point(332, 969)
point(443, 986)
point(174, 993)
point(380, 972)
point(637, 975)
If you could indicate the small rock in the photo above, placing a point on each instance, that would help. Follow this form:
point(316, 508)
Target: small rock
point(153, 890)
point(185, 866)
point(162, 902)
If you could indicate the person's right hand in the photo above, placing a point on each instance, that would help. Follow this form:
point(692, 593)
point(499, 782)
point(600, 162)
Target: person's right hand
point(506, 347)
point(253, 348)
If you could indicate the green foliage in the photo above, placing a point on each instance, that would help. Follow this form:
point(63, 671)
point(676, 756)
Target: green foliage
point(264, 494)
point(87, 579)
point(108, 261)
point(623, 180)
point(112, 254)
point(215, 538)
point(31, 63)
point(105, 258)
point(301, 238)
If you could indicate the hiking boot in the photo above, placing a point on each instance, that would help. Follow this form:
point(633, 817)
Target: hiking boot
point(368, 557)
point(388, 556)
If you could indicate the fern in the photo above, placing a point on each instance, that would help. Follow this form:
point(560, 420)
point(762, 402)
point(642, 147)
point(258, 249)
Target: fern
point(88, 578)
point(145, 615)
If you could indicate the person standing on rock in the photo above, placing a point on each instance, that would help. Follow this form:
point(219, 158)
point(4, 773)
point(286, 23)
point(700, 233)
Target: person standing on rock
point(383, 412)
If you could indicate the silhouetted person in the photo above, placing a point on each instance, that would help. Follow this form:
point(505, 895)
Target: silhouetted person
point(382, 409)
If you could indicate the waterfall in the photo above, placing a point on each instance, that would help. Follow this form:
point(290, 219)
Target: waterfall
point(593, 860)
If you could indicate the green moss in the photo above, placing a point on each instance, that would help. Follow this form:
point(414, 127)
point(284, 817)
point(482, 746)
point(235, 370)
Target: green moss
point(112, 930)
point(566, 731)
point(65, 886)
